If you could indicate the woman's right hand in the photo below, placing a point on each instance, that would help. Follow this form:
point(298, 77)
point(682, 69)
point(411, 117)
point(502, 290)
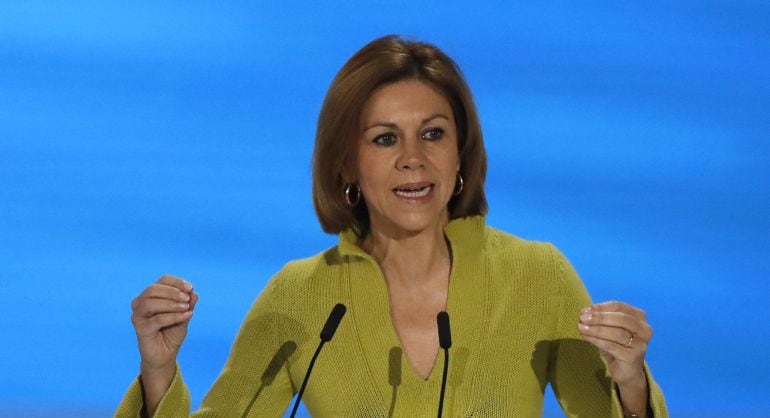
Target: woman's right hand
point(160, 316)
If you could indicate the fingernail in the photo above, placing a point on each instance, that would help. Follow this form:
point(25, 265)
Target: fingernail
point(184, 296)
point(586, 317)
point(183, 305)
point(586, 310)
point(188, 286)
point(584, 327)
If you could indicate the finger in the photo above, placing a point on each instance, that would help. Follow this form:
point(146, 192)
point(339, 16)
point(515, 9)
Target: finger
point(176, 282)
point(148, 307)
point(616, 306)
point(193, 300)
point(613, 349)
point(633, 324)
point(157, 322)
point(163, 291)
point(619, 336)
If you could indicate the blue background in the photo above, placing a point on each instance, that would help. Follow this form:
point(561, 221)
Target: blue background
point(142, 138)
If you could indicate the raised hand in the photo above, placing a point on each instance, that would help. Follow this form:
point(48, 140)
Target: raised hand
point(161, 314)
point(621, 333)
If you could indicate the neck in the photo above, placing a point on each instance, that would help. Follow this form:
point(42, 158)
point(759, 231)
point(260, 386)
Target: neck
point(410, 259)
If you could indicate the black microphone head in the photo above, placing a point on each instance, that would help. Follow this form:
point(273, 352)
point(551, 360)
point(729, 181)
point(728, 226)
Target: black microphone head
point(334, 320)
point(444, 334)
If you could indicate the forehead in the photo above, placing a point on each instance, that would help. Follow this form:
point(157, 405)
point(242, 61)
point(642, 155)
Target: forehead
point(404, 99)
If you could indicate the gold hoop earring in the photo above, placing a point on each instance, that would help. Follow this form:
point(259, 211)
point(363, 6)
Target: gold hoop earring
point(459, 186)
point(352, 202)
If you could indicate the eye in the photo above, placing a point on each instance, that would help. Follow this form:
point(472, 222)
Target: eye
point(433, 134)
point(386, 139)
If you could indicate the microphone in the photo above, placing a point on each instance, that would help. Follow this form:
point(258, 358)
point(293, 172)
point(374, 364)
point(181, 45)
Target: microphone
point(444, 333)
point(330, 327)
point(445, 342)
point(326, 335)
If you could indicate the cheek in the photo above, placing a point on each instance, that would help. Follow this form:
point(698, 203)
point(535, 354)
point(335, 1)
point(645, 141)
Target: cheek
point(450, 154)
point(371, 170)
point(448, 160)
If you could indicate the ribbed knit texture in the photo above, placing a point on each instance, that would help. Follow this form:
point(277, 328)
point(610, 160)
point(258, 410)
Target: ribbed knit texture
point(514, 308)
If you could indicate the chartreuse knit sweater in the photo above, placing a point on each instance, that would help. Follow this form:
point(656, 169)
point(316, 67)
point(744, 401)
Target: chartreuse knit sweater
point(514, 308)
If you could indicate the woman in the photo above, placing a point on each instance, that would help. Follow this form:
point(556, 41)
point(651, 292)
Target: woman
point(398, 173)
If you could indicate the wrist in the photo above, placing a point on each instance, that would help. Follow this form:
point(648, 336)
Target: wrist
point(157, 369)
point(155, 382)
point(634, 396)
point(156, 379)
point(636, 382)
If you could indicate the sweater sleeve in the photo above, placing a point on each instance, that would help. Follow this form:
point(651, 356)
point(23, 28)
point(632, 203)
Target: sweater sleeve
point(578, 374)
point(174, 403)
point(254, 382)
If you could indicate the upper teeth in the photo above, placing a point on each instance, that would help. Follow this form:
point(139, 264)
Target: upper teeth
point(413, 193)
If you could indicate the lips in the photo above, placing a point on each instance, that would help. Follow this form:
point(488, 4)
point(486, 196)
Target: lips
point(414, 190)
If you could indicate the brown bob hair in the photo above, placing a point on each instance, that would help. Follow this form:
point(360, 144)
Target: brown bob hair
point(383, 61)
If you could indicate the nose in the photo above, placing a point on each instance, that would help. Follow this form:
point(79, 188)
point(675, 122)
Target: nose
point(412, 155)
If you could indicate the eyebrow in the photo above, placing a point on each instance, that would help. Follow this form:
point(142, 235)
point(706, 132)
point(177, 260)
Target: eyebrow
point(394, 126)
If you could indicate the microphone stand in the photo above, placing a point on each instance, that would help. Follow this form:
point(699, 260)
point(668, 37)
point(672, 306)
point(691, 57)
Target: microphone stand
point(326, 335)
point(445, 341)
point(307, 377)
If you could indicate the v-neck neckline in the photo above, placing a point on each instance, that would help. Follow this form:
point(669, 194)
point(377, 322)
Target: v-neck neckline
point(371, 311)
point(396, 337)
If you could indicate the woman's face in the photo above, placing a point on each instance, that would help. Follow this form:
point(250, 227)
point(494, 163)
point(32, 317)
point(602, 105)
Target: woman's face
point(407, 158)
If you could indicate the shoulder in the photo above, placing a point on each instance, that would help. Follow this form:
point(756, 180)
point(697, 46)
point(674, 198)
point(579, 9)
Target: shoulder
point(304, 290)
point(321, 266)
point(534, 274)
point(503, 247)
point(538, 264)
point(312, 284)
point(528, 266)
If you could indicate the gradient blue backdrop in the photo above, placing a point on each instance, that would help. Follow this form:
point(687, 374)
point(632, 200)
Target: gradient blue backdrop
point(141, 138)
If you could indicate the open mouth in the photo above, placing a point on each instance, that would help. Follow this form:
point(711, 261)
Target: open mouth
point(413, 192)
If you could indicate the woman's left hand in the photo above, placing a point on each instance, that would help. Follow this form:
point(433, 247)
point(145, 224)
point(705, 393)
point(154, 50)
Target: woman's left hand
point(621, 333)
